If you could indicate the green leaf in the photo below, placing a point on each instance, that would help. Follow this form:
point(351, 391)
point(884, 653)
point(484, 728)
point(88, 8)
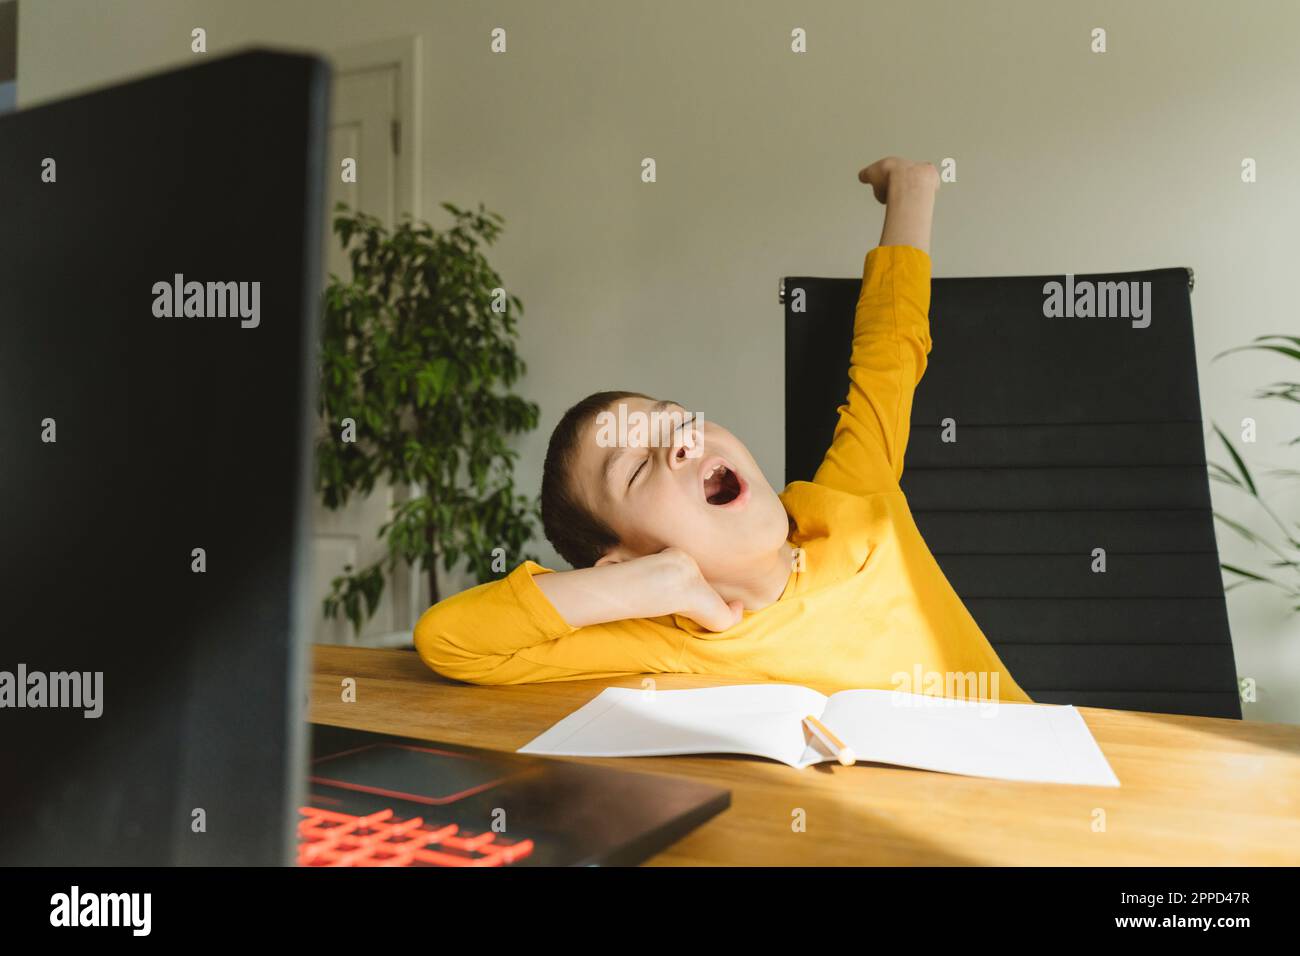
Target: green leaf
point(1219, 473)
point(1241, 465)
point(1281, 349)
point(1239, 528)
point(1250, 575)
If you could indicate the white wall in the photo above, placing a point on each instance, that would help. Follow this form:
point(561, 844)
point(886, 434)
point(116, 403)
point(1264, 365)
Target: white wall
point(1068, 161)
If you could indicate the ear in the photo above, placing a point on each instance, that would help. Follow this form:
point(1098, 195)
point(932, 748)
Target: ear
point(614, 555)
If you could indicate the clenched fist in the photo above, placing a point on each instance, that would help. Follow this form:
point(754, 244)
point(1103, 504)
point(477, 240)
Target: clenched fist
point(896, 170)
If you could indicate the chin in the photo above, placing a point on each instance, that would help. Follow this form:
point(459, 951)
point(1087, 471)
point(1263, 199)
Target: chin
point(738, 537)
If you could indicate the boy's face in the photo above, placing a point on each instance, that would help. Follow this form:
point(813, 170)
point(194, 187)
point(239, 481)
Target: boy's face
point(695, 488)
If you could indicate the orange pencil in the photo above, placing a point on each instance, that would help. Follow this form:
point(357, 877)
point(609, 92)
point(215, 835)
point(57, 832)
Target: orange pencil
point(833, 743)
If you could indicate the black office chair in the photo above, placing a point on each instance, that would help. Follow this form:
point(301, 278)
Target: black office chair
point(1072, 434)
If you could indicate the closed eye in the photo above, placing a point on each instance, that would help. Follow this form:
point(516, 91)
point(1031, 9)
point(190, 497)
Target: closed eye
point(686, 421)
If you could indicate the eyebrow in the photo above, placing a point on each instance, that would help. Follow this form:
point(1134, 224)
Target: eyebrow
point(616, 454)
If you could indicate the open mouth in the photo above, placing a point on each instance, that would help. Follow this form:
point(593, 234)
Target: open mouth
point(722, 485)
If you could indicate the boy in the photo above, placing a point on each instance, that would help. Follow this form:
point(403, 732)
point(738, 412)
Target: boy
point(686, 559)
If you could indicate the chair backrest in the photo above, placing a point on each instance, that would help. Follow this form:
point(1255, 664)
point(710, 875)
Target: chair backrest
point(1071, 434)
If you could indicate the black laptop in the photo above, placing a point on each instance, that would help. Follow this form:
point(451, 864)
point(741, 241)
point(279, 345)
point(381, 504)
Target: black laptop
point(160, 272)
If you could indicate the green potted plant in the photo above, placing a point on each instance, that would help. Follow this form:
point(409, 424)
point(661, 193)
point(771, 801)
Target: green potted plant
point(1284, 547)
point(416, 365)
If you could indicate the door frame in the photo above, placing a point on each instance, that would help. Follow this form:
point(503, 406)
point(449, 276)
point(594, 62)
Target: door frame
point(404, 54)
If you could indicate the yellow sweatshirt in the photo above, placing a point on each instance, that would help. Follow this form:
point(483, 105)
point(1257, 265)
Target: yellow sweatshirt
point(867, 607)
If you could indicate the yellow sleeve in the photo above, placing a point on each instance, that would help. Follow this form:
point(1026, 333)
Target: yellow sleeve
point(891, 339)
point(508, 632)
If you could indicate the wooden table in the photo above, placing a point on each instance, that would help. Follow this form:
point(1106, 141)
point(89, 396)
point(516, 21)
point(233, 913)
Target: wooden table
point(1195, 790)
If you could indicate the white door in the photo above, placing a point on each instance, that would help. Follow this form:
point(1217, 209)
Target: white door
point(365, 126)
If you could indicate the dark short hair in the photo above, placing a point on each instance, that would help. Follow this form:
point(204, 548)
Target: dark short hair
point(579, 535)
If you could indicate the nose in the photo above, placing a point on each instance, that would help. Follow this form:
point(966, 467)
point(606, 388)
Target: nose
point(687, 446)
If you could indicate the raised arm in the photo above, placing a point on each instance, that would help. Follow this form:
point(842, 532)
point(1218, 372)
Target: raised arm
point(891, 334)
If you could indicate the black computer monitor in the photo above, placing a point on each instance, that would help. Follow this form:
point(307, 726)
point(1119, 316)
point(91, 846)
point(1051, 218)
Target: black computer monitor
point(159, 286)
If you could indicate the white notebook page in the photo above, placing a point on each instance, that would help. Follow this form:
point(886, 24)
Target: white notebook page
point(1032, 742)
point(761, 719)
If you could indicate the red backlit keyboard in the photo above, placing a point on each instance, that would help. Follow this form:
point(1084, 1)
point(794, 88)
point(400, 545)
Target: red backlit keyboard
point(329, 838)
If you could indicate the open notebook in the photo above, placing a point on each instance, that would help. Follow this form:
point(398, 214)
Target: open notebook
point(1042, 743)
